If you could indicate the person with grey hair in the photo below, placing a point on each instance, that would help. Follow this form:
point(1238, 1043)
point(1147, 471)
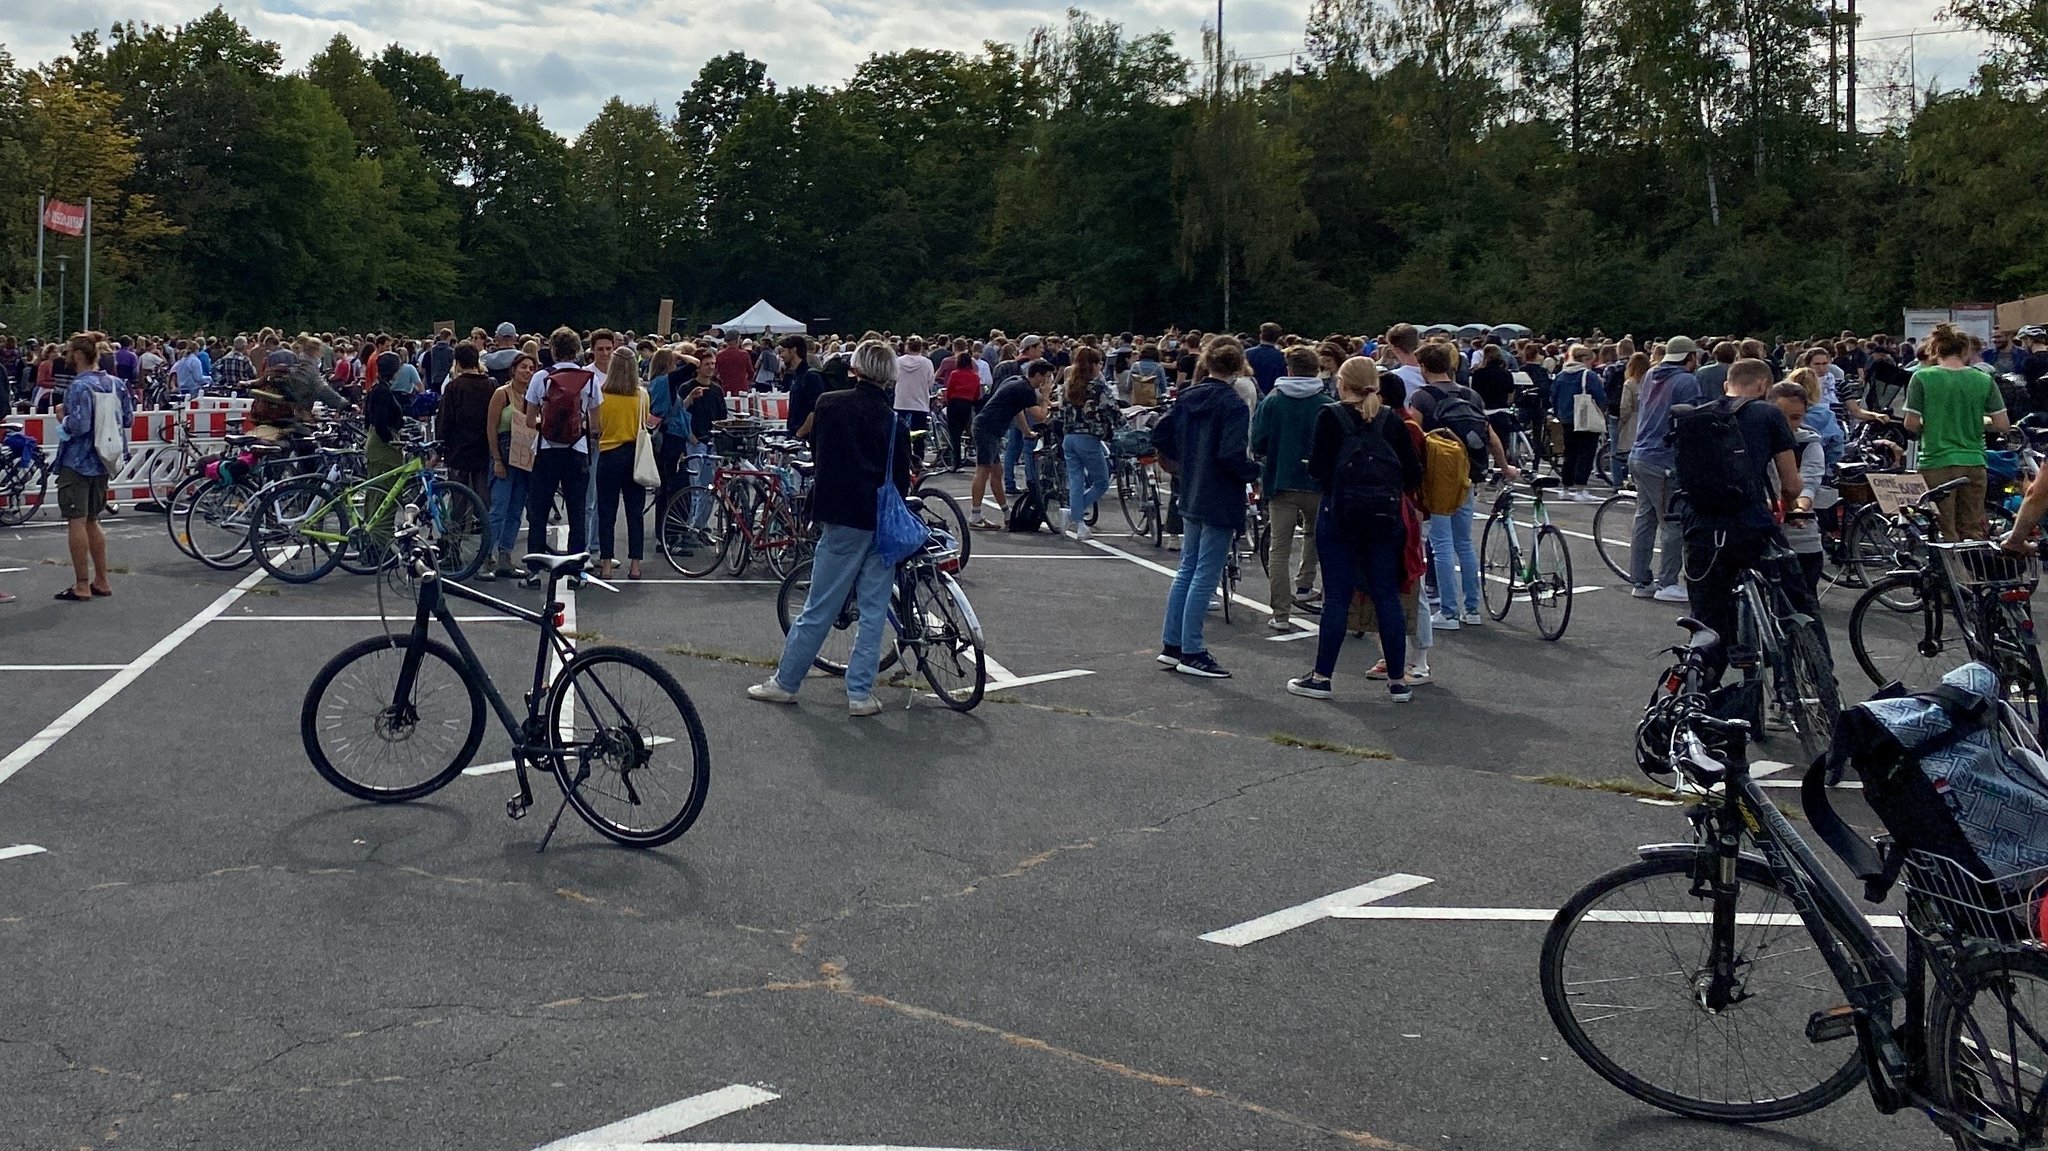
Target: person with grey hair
point(855, 433)
point(235, 369)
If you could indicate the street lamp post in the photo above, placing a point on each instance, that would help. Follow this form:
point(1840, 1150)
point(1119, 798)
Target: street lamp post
point(62, 263)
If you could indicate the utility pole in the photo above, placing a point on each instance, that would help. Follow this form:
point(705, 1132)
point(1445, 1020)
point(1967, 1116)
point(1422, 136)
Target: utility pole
point(63, 262)
point(1834, 64)
point(1852, 69)
point(1220, 67)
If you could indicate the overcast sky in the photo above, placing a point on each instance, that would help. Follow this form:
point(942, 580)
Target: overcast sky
point(646, 51)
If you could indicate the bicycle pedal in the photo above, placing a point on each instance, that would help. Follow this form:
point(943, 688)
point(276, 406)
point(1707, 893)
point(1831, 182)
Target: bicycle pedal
point(517, 808)
point(1834, 1023)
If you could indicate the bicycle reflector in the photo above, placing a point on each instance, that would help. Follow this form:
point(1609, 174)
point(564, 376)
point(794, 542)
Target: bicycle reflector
point(560, 613)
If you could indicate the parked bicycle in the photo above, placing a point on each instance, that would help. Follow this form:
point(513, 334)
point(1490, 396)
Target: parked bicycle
point(24, 476)
point(1733, 979)
point(394, 718)
point(1774, 639)
point(304, 527)
point(1541, 572)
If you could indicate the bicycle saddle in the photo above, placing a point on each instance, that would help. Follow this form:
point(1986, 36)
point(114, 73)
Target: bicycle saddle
point(1703, 637)
point(556, 565)
point(240, 441)
point(1543, 483)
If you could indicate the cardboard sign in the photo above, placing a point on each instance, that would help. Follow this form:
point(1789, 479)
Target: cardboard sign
point(524, 440)
point(1895, 490)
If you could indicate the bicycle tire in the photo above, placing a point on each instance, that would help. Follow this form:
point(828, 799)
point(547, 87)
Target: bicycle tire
point(746, 500)
point(1498, 577)
point(1873, 548)
point(626, 739)
point(948, 641)
point(1262, 544)
point(178, 505)
point(1155, 512)
point(375, 685)
point(1818, 697)
point(222, 511)
point(789, 604)
point(694, 552)
point(1128, 500)
point(283, 511)
point(460, 520)
point(1613, 553)
point(1229, 589)
point(1550, 593)
point(1877, 630)
point(949, 516)
point(1554, 968)
point(1957, 1068)
point(16, 506)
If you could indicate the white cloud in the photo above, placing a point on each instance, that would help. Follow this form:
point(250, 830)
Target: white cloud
point(647, 51)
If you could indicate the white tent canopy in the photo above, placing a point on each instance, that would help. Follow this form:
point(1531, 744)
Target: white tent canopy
point(762, 317)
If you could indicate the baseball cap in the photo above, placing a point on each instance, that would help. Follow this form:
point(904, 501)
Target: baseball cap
point(506, 331)
point(1030, 342)
point(1677, 348)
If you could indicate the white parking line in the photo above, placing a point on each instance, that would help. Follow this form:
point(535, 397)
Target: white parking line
point(100, 696)
point(678, 1116)
point(998, 683)
point(400, 619)
point(1302, 914)
point(62, 666)
point(1546, 914)
point(1162, 569)
point(19, 850)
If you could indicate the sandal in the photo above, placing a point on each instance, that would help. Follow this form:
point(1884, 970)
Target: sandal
point(633, 571)
point(70, 596)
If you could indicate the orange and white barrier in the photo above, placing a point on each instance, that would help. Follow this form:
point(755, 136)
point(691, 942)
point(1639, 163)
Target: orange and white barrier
point(153, 441)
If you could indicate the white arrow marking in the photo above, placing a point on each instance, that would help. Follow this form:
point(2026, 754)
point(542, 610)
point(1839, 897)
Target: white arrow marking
point(505, 765)
point(1300, 915)
point(20, 849)
point(667, 1120)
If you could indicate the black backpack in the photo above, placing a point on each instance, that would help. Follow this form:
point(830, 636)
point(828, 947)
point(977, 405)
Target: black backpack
point(1027, 511)
point(1366, 486)
point(1714, 467)
point(1463, 419)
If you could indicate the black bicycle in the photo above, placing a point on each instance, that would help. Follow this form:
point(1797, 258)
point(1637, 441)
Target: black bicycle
point(1733, 979)
point(396, 717)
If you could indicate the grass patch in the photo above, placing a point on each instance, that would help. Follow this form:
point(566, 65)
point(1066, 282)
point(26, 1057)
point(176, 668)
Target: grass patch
point(264, 591)
point(717, 656)
point(1282, 739)
point(1627, 787)
point(584, 636)
point(1056, 708)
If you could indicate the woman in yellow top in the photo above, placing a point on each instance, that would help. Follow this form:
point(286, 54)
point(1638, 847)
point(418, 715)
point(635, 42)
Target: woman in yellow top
point(619, 420)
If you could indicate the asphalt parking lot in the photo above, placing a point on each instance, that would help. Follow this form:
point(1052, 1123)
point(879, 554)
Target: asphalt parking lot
point(919, 930)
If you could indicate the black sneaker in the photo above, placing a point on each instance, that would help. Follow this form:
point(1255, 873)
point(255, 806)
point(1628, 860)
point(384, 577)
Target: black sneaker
point(1310, 686)
point(1169, 654)
point(1400, 692)
point(1200, 663)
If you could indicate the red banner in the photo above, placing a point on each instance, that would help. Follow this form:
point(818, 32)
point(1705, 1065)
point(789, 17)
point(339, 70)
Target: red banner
point(66, 218)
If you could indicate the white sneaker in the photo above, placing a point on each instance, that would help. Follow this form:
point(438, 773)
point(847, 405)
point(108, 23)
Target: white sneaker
point(770, 692)
point(1442, 622)
point(1671, 593)
point(1215, 604)
point(1585, 497)
point(1642, 590)
point(1472, 619)
point(1082, 532)
point(1058, 516)
point(1173, 543)
point(864, 707)
point(1278, 624)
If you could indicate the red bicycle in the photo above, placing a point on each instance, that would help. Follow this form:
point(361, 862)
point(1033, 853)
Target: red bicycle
point(750, 505)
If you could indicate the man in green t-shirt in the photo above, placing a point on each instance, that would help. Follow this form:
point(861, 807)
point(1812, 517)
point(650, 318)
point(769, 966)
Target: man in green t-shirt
point(1948, 405)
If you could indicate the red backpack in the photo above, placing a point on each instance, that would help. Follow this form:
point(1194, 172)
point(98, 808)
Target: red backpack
point(561, 408)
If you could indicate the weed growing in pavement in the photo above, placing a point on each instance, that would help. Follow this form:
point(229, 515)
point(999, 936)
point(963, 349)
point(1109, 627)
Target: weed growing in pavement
point(1285, 740)
point(1611, 786)
point(584, 636)
point(717, 656)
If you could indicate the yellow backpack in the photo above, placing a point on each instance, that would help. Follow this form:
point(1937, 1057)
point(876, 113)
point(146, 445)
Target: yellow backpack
point(1446, 472)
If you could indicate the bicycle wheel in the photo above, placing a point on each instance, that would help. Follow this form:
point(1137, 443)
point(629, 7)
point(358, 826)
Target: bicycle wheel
point(1986, 1049)
point(1915, 646)
point(458, 522)
point(1873, 546)
point(1812, 698)
point(837, 649)
point(1154, 513)
point(284, 513)
point(1550, 585)
point(748, 501)
point(1262, 543)
point(217, 525)
point(1499, 567)
point(943, 512)
point(178, 505)
point(1623, 969)
point(1229, 589)
point(22, 488)
point(1129, 497)
point(631, 754)
point(693, 551)
point(372, 745)
point(1522, 453)
point(947, 640)
point(1614, 532)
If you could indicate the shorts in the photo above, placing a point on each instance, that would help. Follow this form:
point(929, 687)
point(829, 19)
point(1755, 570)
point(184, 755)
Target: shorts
point(80, 497)
point(988, 449)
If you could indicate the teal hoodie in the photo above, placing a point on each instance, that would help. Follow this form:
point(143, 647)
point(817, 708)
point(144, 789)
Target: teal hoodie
point(1281, 430)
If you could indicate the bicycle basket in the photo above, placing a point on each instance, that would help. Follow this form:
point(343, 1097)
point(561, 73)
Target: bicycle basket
point(1947, 902)
point(1980, 564)
point(735, 437)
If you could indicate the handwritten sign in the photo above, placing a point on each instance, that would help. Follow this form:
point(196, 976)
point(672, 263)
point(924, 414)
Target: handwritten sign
point(1896, 490)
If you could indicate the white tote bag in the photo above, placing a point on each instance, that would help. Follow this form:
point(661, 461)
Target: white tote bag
point(1587, 415)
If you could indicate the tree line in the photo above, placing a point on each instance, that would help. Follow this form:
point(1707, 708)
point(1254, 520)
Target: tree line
point(1640, 165)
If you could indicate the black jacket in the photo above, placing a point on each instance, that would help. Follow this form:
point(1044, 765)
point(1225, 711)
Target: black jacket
point(1206, 433)
point(1333, 423)
point(850, 443)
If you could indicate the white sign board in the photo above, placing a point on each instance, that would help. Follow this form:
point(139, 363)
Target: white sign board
point(1920, 322)
point(1895, 490)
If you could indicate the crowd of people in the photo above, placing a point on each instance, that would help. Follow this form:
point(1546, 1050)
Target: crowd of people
point(1371, 448)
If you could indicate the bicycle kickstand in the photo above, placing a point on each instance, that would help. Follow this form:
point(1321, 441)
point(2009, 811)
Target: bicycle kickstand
point(552, 824)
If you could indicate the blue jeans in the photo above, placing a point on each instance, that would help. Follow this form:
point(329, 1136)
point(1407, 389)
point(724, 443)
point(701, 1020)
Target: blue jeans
point(1617, 471)
point(508, 507)
point(1375, 565)
point(1203, 548)
point(1652, 531)
point(846, 562)
point(701, 466)
point(1450, 539)
point(1087, 474)
point(1014, 445)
